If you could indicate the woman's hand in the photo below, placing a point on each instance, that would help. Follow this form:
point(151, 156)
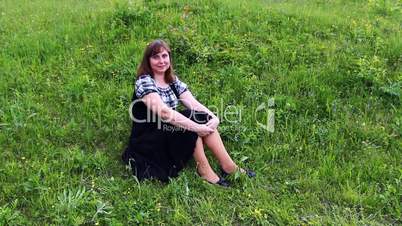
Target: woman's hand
point(203, 130)
point(213, 123)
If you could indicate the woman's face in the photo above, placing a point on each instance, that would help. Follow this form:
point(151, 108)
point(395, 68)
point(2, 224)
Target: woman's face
point(160, 62)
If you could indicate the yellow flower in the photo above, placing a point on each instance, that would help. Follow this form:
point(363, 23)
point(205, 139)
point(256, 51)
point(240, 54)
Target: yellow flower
point(257, 213)
point(158, 207)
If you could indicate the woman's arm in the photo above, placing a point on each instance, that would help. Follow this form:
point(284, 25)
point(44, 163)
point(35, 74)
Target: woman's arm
point(155, 104)
point(190, 102)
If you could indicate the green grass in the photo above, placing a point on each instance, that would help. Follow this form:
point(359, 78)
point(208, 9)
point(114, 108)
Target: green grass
point(334, 69)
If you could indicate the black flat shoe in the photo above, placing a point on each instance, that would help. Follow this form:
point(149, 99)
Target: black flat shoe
point(248, 172)
point(222, 182)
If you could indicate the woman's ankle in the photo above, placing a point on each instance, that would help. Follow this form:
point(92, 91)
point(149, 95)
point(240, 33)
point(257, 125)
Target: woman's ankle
point(207, 173)
point(229, 168)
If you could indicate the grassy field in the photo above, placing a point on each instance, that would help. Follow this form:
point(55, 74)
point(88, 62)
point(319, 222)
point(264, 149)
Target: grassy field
point(333, 69)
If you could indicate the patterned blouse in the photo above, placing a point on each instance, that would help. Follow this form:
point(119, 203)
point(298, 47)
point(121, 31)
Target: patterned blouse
point(145, 84)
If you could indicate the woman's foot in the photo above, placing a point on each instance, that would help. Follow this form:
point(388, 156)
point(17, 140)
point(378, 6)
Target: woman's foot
point(211, 177)
point(228, 170)
point(207, 173)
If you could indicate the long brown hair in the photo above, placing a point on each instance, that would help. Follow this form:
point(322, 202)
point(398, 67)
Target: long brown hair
point(152, 49)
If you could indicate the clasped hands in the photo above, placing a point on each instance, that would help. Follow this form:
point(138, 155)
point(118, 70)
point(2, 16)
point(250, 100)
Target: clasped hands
point(208, 128)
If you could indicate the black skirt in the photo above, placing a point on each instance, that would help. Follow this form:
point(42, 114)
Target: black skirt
point(160, 150)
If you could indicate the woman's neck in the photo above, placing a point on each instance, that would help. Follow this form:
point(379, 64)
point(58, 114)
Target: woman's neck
point(160, 79)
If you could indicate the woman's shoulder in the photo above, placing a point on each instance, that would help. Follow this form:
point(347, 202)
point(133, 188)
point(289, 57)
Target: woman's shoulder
point(145, 77)
point(180, 86)
point(145, 84)
point(145, 80)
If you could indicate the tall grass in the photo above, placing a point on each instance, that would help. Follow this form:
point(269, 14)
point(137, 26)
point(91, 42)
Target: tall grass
point(333, 69)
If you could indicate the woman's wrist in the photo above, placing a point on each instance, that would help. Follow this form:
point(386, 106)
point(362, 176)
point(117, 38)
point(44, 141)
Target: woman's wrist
point(193, 126)
point(214, 117)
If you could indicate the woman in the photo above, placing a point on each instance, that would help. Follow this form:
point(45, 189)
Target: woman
point(162, 139)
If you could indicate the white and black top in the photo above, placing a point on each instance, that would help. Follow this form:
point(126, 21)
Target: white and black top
point(145, 84)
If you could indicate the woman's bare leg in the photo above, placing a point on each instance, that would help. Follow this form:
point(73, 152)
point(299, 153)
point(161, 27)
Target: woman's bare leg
point(203, 167)
point(214, 142)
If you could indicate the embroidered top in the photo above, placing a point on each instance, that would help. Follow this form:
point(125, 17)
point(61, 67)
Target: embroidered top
point(145, 84)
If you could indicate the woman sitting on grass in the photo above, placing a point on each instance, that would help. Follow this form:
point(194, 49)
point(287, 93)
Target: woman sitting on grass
point(162, 139)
